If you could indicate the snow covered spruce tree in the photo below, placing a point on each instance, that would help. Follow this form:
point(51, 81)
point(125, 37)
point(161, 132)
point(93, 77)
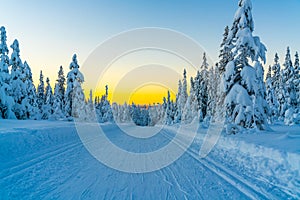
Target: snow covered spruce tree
point(74, 98)
point(225, 51)
point(225, 57)
point(191, 110)
point(181, 98)
point(297, 80)
point(16, 82)
point(212, 92)
point(245, 101)
point(103, 108)
point(48, 103)
point(59, 95)
point(6, 100)
point(271, 98)
point(31, 104)
point(288, 75)
point(169, 109)
point(203, 93)
point(41, 93)
point(278, 87)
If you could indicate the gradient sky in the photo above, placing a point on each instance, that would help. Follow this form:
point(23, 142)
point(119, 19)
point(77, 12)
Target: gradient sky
point(50, 32)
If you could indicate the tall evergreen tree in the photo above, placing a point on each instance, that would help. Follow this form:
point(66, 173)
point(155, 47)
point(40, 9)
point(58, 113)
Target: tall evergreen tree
point(289, 88)
point(225, 52)
point(245, 106)
point(48, 104)
point(74, 98)
point(59, 95)
point(104, 111)
point(181, 98)
point(32, 106)
point(41, 92)
point(277, 84)
point(6, 100)
point(271, 97)
point(203, 93)
point(297, 80)
point(16, 82)
point(170, 110)
point(212, 92)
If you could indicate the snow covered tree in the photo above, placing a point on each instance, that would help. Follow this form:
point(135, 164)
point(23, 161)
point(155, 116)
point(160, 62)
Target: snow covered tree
point(170, 110)
point(41, 92)
point(212, 92)
point(288, 79)
point(48, 104)
point(59, 95)
point(177, 117)
point(90, 108)
point(16, 82)
point(225, 52)
point(290, 90)
point(74, 98)
point(297, 80)
point(191, 107)
point(243, 85)
point(103, 108)
point(271, 98)
point(126, 113)
point(203, 93)
point(140, 115)
point(181, 98)
point(6, 100)
point(31, 104)
point(277, 85)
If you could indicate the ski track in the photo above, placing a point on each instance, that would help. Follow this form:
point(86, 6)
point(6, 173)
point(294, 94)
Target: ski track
point(237, 182)
point(70, 172)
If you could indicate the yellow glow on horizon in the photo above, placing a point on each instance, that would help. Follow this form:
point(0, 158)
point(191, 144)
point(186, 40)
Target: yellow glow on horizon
point(142, 77)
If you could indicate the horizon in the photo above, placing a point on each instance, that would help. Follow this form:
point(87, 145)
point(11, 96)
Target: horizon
point(43, 43)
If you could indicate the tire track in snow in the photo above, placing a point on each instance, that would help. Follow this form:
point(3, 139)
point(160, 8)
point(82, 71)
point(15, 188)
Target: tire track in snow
point(248, 189)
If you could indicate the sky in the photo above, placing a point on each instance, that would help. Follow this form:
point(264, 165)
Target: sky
point(50, 32)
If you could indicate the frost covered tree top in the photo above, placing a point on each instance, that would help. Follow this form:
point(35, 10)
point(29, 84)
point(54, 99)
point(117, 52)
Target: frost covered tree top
point(204, 65)
point(74, 63)
point(3, 46)
point(240, 36)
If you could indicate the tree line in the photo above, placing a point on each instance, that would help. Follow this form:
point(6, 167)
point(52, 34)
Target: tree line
point(234, 89)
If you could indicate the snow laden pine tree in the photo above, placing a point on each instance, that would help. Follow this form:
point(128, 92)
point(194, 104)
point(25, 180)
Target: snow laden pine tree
point(48, 103)
point(212, 91)
point(181, 98)
point(59, 95)
point(103, 108)
point(191, 107)
point(297, 80)
point(6, 100)
point(203, 84)
point(225, 52)
point(271, 98)
point(41, 93)
point(31, 104)
point(16, 82)
point(243, 84)
point(277, 85)
point(289, 88)
point(169, 109)
point(74, 98)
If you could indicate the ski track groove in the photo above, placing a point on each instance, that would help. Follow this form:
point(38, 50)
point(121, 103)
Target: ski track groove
point(236, 181)
point(17, 169)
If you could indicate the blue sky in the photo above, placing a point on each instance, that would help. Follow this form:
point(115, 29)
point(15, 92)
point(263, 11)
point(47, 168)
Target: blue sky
point(49, 32)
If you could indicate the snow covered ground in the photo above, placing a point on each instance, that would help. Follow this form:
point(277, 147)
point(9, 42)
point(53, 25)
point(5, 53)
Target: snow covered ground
point(47, 160)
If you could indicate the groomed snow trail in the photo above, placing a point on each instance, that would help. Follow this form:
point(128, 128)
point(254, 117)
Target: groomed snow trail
point(50, 162)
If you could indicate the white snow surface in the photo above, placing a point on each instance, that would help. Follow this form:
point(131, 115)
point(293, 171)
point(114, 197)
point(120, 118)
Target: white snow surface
point(46, 160)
